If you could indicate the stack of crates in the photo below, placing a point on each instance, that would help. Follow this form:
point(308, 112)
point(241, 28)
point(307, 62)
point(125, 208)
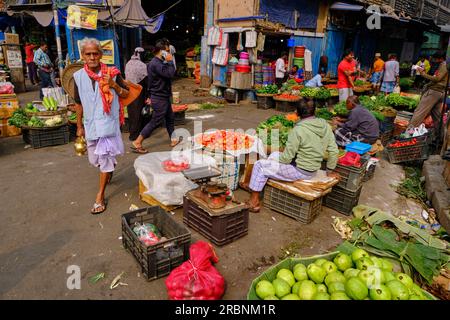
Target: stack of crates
point(386, 129)
point(8, 105)
point(345, 195)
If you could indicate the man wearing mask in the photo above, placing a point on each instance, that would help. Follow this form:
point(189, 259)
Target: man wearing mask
point(45, 67)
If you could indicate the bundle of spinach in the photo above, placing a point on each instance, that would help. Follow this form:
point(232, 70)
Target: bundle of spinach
point(19, 118)
point(277, 122)
point(340, 109)
point(323, 113)
point(396, 100)
point(322, 94)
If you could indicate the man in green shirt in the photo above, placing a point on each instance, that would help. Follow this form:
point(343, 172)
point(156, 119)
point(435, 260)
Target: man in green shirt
point(307, 143)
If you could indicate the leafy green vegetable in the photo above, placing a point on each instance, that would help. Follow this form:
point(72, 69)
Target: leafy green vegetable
point(359, 83)
point(35, 122)
point(18, 119)
point(412, 186)
point(208, 106)
point(322, 94)
point(340, 109)
point(323, 113)
point(396, 100)
point(309, 92)
point(264, 130)
point(269, 89)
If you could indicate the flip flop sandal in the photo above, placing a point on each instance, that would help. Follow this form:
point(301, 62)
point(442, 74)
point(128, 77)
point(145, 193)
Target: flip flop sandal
point(253, 209)
point(139, 150)
point(97, 206)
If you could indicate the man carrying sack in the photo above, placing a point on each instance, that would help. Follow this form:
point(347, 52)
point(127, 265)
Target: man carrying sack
point(433, 95)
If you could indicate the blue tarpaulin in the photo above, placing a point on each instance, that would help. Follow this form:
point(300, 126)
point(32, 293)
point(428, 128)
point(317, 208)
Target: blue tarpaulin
point(334, 43)
point(283, 11)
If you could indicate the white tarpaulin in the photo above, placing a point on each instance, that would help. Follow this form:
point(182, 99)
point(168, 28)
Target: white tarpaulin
point(168, 187)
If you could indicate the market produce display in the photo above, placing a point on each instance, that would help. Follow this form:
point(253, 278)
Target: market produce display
point(269, 89)
point(31, 108)
point(286, 97)
point(397, 143)
point(323, 113)
point(278, 122)
point(222, 140)
point(323, 94)
point(340, 109)
point(35, 122)
point(353, 276)
point(309, 92)
point(397, 100)
point(361, 83)
point(334, 92)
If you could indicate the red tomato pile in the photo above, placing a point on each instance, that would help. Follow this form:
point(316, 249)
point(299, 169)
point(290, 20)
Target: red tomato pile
point(289, 97)
point(331, 86)
point(225, 140)
point(171, 166)
point(398, 144)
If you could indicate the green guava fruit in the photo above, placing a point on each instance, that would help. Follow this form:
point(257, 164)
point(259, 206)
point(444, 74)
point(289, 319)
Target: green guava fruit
point(377, 262)
point(264, 289)
point(291, 296)
point(356, 289)
point(316, 273)
point(398, 290)
point(351, 272)
point(343, 261)
point(388, 276)
point(271, 298)
point(358, 254)
point(329, 267)
point(322, 288)
point(387, 265)
point(336, 286)
point(282, 288)
point(334, 277)
point(320, 261)
point(300, 272)
point(339, 295)
point(322, 296)
point(295, 287)
point(405, 279)
point(287, 276)
point(381, 292)
point(364, 263)
point(307, 290)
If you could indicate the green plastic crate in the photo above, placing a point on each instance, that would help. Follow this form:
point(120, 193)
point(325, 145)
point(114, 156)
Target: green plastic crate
point(271, 273)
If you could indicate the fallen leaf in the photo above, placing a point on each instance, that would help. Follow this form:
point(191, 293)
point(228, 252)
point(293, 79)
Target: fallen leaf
point(97, 277)
point(116, 281)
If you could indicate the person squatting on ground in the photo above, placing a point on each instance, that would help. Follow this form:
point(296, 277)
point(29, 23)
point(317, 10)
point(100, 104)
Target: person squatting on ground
point(97, 92)
point(306, 146)
point(361, 125)
point(160, 73)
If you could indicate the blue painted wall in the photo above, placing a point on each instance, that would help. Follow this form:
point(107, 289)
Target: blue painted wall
point(313, 44)
point(333, 47)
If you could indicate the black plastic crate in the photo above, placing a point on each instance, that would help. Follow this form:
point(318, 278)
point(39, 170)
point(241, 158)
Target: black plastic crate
point(385, 137)
point(370, 172)
point(302, 210)
point(180, 118)
point(342, 200)
point(160, 259)
point(265, 102)
point(387, 125)
point(39, 138)
point(419, 151)
point(285, 106)
point(220, 230)
point(352, 177)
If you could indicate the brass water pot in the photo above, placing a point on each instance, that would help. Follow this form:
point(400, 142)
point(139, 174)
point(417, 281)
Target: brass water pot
point(80, 146)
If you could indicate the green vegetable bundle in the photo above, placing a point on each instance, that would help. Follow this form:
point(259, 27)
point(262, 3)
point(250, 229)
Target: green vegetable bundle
point(340, 109)
point(309, 92)
point(35, 122)
point(269, 89)
point(360, 83)
point(323, 94)
point(279, 122)
point(396, 100)
point(18, 119)
point(323, 113)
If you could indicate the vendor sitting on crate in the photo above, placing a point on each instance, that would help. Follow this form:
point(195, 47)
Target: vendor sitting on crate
point(302, 157)
point(361, 125)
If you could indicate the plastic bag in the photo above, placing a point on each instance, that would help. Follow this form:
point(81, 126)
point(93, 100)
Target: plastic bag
point(420, 131)
point(197, 279)
point(351, 159)
point(147, 233)
point(6, 88)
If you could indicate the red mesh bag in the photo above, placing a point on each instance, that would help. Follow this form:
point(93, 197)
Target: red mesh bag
point(197, 279)
point(351, 159)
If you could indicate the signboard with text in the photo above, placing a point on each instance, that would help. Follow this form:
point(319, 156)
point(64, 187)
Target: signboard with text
point(82, 17)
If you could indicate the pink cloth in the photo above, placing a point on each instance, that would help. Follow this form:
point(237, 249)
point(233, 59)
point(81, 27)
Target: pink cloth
point(103, 151)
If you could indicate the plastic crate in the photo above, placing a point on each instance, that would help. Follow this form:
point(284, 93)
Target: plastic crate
point(265, 102)
point(342, 200)
point(180, 118)
point(291, 205)
point(160, 259)
point(419, 151)
point(370, 172)
point(220, 230)
point(352, 177)
point(387, 125)
point(385, 137)
point(358, 147)
point(39, 138)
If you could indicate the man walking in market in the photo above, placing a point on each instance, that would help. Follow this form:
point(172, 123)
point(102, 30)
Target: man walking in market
point(280, 69)
point(45, 67)
point(99, 113)
point(432, 98)
point(346, 73)
point(31, 66)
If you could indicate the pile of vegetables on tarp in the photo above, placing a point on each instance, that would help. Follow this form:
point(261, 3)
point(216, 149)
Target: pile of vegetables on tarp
point(397, 100)
point(282, 123)
point(420, 255)
point(269, 89)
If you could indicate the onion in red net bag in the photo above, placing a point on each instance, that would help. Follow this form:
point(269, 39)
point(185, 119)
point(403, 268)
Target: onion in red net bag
point(351, 159)
point(197, 279)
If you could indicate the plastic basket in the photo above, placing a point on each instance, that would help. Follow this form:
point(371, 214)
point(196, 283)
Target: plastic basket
point(265, 102)
point(38, 138)
point(156, 260)
point(387, 125)
point(291, 205)
point(342, 200)
point(358, 147)
point(351, 177)
point(220, 230)
point(385, 137)
point(419, 151)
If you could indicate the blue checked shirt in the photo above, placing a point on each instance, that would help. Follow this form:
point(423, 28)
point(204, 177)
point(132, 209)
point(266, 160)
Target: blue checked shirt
point(41, 58)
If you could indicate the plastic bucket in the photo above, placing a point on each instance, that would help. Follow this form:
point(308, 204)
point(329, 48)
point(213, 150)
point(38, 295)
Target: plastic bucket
point(291, 43)
point(244, 55)
point(299, 52)
point(300, 62)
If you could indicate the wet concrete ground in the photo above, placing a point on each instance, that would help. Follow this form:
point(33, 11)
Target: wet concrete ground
point(46, 195)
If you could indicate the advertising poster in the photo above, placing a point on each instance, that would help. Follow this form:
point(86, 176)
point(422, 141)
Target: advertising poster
point(81, 17)
point(108, 51)
point(14, 59)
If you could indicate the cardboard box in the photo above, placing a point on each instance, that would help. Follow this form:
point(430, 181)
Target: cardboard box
point(7, 130)
point(7, 107)
point(12, 38)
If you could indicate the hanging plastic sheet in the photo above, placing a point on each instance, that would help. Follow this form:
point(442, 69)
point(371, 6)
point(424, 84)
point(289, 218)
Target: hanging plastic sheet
point(284, 11)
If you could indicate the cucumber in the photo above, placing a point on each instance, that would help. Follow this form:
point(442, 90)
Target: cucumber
point(45, 103)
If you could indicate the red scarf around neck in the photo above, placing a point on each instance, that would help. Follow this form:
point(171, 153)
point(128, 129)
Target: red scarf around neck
point(105, 90)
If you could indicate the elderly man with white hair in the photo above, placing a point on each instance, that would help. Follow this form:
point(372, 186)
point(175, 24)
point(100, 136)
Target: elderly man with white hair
point(99, 113)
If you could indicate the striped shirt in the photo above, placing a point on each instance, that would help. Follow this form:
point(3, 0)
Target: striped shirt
point(41, 58)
